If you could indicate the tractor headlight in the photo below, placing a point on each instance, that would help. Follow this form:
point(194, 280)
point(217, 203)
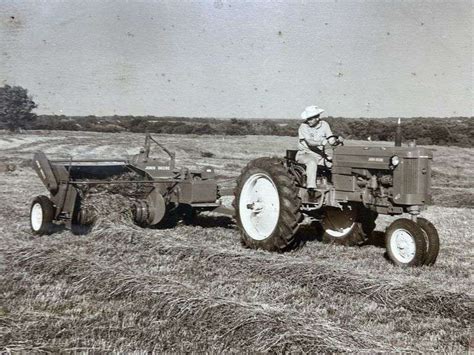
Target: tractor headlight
point(394, 161)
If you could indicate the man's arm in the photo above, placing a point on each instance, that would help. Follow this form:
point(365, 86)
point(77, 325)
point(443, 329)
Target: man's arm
point(311, 144)
point(328, 132)
point(315, 143)
point(304, 135)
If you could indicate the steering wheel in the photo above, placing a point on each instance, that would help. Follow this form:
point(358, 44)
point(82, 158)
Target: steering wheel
point(335, 140)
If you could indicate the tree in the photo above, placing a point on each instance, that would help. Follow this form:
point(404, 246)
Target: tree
point(16, 107)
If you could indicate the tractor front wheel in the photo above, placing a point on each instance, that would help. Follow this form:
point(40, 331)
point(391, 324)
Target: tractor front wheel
point(41, 215)
point(432, 240)
point(406, 243)
point(267, 205)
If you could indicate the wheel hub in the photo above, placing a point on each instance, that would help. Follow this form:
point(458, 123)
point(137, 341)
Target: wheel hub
point(256, 207)
point(36, 217)
point(403, 245)
point(259, 206)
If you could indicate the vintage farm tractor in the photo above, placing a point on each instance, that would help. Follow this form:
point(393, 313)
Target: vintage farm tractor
point(158, 190)
point(271, 199)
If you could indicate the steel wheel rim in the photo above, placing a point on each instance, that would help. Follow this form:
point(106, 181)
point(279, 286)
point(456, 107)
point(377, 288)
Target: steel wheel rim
point(259, 206)
point(403, 246)
point(334, 224)
point(36, 217)
point(339, 233)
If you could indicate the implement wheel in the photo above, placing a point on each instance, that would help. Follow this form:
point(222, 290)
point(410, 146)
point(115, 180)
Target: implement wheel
point(267, 205)
point(406, 243)
point(41, 215)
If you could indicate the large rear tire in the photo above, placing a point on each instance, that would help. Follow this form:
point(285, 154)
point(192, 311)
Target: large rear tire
point(41, 215)
point(406, 243)
point(367, 219)
point(432, 240)
point(349, 226)
point(267, 205)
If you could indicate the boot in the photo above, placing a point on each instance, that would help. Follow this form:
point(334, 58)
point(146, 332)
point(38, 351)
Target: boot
point(313, 194)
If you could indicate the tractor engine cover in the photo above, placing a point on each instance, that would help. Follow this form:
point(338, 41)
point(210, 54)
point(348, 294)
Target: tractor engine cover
point(405, 170)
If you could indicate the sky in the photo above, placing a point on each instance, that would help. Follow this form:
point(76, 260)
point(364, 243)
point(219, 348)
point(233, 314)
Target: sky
point(244, 59)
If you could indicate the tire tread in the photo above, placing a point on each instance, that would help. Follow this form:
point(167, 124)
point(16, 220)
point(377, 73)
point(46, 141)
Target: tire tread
point(283, 237)
point(432, 240)
point(418, 235)
point(48, 215)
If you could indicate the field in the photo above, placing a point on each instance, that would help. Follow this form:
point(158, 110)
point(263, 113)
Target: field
point(195, 288)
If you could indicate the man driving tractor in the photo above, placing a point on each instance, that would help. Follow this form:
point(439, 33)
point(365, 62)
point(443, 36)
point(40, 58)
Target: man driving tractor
point(312, 136)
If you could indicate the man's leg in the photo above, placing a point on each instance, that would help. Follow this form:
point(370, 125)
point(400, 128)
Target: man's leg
point(311, 170)
point(311, 162)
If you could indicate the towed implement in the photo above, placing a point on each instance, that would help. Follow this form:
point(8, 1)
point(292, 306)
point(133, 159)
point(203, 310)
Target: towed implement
point(158, 193)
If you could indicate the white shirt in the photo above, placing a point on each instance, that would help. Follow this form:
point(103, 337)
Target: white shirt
point(313, 134)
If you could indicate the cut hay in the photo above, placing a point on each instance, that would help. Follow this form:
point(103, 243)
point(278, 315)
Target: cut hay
point(109, 205)
point(7, 167)
point(170, 292)
point(106, 207)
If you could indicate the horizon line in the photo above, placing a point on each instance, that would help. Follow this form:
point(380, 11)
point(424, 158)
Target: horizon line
point(254, 118)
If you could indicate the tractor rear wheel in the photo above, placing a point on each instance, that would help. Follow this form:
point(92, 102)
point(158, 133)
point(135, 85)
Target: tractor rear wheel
point(349, 226)
point(406, 243)
point(41, 215)
point(432, 240)
point(367, 219)
point(267, 205)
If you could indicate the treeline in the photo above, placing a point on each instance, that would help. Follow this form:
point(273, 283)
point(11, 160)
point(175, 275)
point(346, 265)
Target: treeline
point(457, 131)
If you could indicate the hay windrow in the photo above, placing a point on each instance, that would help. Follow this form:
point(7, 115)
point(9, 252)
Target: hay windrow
point(162, 309)
point(196, 316)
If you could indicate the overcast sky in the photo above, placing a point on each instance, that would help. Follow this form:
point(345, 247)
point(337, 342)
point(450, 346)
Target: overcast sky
point(265, 59)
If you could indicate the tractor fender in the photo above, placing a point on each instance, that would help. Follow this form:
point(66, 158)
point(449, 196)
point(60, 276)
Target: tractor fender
point(157, 206)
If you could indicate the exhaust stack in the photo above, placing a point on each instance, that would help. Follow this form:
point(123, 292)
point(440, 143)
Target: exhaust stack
point(398, 134)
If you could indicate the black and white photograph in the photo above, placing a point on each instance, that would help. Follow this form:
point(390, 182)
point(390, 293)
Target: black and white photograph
point(229, 176)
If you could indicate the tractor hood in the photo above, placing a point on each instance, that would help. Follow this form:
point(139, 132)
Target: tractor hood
point(376, 157)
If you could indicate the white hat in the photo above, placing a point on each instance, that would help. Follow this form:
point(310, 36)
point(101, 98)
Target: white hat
point(311, 111)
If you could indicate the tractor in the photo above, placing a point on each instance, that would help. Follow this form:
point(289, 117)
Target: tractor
point(356, 185)
point(270, 197)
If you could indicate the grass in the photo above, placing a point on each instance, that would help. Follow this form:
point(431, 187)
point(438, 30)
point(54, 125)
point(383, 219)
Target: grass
point(194, 288)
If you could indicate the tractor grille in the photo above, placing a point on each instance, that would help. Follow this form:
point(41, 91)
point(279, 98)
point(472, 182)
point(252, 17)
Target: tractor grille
point(410, 176)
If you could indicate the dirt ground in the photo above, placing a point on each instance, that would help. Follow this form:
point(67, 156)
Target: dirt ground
point(195, 288)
